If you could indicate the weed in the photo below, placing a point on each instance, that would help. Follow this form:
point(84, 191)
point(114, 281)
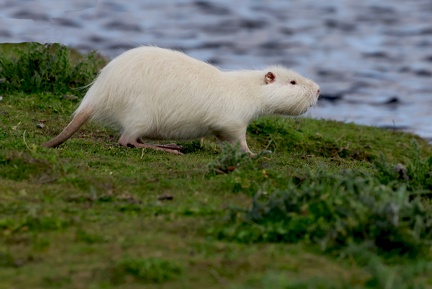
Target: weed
point(280, 134)
point(56, 281)
point(233, 158)
point(87, 237)
point(415, 175)
point(40, 223)
point(230, 159)
point(279, 280)
point(336, 211)
point(6, 258)
point(381, 276)
point(46, 68)
point(148, 270)
point(191, 146)
point(21, 166)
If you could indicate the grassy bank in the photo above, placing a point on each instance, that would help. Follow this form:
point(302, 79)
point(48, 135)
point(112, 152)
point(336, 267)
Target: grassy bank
point(335, 206)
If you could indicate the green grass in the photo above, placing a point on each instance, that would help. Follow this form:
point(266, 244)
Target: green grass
point(334, 206)
point(35, 68)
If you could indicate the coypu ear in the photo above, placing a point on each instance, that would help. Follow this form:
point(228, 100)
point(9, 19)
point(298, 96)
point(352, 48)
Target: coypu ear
point(269, 77)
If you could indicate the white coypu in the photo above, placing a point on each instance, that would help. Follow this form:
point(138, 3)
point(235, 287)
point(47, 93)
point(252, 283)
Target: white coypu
point(154, 93)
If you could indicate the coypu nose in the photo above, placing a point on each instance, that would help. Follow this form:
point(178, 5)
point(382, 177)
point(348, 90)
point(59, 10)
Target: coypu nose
point(319, 91)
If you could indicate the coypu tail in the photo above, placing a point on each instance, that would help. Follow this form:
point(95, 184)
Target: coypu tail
point(79, 119)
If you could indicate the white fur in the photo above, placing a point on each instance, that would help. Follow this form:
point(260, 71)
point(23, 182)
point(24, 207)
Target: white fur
point(158, 93)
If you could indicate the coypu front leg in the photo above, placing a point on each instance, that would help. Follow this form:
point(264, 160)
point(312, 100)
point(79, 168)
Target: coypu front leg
point(233, 139)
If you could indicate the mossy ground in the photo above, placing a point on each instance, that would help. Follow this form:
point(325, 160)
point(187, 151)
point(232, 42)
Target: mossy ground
point(91, 214)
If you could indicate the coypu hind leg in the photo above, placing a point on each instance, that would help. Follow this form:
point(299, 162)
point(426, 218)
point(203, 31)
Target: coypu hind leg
point(137, 143)
point(171, 146)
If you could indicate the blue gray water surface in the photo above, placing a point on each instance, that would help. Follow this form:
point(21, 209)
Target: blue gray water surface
point(372, 59)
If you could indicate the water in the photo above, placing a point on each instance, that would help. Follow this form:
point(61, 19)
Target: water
point(373, 60)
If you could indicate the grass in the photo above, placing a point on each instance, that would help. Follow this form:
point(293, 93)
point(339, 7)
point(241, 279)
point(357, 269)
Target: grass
point(35, 68)
point(334, 206)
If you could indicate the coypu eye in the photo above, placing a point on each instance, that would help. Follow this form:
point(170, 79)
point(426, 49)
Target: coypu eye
point(293, 82)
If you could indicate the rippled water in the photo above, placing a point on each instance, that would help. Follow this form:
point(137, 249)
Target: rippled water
point(373, 59)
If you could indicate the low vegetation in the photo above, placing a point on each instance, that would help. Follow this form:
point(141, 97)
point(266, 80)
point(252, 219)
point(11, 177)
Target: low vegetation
point(35, 68)
point(334, 206)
